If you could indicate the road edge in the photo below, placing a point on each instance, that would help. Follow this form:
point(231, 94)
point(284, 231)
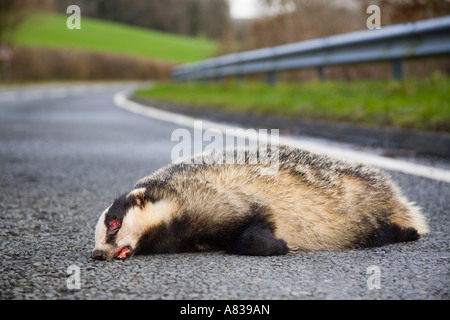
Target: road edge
point(122, 100)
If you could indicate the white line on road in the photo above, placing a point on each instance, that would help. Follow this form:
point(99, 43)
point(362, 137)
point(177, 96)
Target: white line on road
point(7, 96)
point(51, 92)
point(121, 100)
point(33, 94)
point(57, 93)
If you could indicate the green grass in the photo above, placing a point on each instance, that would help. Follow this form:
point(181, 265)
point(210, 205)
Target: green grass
point(49, 30)
point(422, 104)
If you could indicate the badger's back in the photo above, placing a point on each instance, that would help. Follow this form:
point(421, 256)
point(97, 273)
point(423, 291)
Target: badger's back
point(311, 201)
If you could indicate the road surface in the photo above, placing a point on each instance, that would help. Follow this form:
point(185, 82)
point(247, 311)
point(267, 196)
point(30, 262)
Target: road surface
point(66, 151)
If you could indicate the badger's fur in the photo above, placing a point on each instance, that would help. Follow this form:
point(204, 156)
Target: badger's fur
point(312, 202)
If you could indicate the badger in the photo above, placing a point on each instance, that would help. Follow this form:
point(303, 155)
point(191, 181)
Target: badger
point(309, 202)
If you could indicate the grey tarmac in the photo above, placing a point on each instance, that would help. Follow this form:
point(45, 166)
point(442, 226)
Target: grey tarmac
point(64, 156)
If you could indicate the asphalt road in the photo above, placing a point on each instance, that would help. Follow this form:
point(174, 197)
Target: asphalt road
point(66, 152)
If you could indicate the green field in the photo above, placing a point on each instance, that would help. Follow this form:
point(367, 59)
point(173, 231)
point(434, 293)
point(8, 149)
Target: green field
point(422, 104)
point(49, 30)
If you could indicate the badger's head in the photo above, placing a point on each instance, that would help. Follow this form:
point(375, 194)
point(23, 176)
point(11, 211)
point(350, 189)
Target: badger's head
point(125, 222)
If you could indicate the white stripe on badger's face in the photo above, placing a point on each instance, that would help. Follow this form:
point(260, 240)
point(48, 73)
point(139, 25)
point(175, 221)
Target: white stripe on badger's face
point(100, 231)
point(137, 220)
point(100, 235)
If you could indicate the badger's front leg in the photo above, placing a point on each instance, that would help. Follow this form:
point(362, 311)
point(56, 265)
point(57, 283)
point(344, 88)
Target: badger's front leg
point(257, 240)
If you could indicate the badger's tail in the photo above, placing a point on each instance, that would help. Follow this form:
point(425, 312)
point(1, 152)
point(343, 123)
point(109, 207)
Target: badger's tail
point(411, 221)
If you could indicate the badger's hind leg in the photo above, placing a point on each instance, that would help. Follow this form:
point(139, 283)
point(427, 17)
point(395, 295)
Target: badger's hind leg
point(388, 233)
point(405, 222)
point(404, 225)
point(258, 240)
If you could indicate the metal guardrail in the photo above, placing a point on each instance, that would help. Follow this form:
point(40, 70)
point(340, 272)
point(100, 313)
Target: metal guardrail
point(391, 43)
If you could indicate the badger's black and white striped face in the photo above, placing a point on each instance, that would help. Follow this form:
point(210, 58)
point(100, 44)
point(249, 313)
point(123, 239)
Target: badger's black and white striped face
point(121, 226)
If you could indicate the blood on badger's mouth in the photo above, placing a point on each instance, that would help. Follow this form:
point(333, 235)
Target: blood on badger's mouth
point(124, 253)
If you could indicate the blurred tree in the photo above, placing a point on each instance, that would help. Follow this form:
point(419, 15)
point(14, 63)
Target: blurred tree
point(289, 21)
point(12, 13)
point(215, 17)
point(399, 11)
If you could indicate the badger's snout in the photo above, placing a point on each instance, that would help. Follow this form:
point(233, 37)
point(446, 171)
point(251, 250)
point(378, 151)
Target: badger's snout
point(98, 255)
point(120, 254)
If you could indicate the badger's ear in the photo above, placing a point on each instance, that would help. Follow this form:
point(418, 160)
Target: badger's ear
point(140, 200)
point(138, 196)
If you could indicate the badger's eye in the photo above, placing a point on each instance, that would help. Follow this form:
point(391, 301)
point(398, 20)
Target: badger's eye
point(114, 226)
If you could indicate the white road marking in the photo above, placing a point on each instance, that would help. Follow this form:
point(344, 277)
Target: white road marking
point(57, 93)
point(79, 90)
point(6, 96)
point(34, 94)
point(50, 92)
point(121, 100)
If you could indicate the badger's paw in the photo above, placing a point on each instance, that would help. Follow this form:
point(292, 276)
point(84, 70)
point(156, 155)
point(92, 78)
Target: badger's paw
point(257, 240)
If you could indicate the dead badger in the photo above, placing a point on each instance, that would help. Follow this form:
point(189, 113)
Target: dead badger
point(310, 202)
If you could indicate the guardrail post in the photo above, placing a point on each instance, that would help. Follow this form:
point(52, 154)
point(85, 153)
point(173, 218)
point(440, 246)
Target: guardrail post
point(271, 78)
point(321, 73)
point(397, 69)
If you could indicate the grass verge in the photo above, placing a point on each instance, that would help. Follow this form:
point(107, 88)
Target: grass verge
point(421, 104)
point(50, 31)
